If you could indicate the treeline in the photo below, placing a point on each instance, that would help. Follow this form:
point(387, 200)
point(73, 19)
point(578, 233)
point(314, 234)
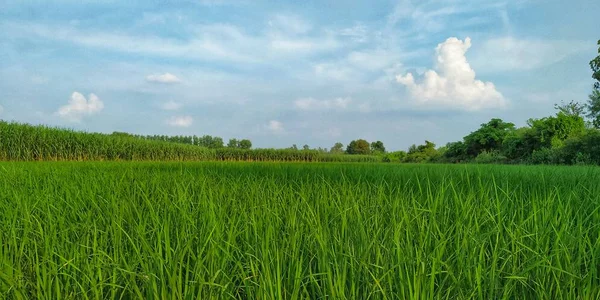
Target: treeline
point(571, 136)
point(206, 141)
point(24, 142)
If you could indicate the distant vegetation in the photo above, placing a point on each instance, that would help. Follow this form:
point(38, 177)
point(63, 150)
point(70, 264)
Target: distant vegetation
point(571, 136)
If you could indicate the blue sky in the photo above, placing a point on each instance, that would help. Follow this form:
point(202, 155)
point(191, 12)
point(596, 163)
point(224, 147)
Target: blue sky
point(293, 72)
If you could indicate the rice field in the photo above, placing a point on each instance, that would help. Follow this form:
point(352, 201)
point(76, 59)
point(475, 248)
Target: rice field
point(234, 230)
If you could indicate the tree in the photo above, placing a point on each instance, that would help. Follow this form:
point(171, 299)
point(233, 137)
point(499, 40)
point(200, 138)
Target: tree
point(359, 146)
point(245, 144)
point(571, 109)
point(216, 143)
point(595, 65)
point(305, 147)
point(337, 148)
point(488, 137)
point(422, 153)
point(378, 147)
point(233, 143)
point(593, 107)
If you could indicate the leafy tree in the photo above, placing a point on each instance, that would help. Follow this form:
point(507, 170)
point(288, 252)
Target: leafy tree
point(488, 137)
point(571, 109)
point(595, 65)
point(593, 106)
point(337, 148)
point(396, 156)
point(456, 152)
point(305, 147)
point(294, 147)
point(378, 147)
point(422, 153)
point(551, 132)
point(216, 143)
point(245, 144)
point(359, 146)
point(233, 143)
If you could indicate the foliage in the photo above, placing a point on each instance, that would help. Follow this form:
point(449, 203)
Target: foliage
point(493, 157)
point(359, 146)
point(378, 147)
point(245, 144)
point(338, 148)
point(456, 152)
point(488, 137)
point(571, 109)
point(595, 65)
point(422, 153)
point(593, 107)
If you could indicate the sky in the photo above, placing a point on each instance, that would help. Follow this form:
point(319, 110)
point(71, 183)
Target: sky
point(293, 72)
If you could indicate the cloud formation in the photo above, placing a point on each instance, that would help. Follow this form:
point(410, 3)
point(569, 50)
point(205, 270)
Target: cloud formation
point(180, 121)
point(275, 126)
point(163, 78)
point(452, 84)
point(79, 107)
point(314, 104)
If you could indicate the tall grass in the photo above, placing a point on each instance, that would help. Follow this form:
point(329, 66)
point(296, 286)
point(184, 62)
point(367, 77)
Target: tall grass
point(23, 142)
point(297, 231)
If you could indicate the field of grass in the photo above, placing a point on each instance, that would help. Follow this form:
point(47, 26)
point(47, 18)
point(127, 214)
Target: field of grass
point(129, 230)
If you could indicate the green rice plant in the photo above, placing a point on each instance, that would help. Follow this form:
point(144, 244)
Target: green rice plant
point(231, 230)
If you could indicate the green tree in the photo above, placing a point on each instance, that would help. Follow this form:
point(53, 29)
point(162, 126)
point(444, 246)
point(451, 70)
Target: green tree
point(216, 143)
point(488, 137)
point(456, 152)
point(233, 143)
point(337, 148)
point(422, 153)
point(378, 147)
point(593, 107)
point(571, 109)
point(245, 144)
point(305, 147)
point(359, 146)
point(595, 65)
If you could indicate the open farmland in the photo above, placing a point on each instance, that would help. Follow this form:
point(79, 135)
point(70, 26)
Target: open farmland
point(126, 230)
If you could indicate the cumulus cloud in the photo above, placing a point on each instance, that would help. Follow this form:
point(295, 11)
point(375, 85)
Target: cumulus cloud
point(163, 78)
point(453, 82)
point(180, 121)
point(171, 105)
point(79, 107)
point(275, 126)
point(314, 104)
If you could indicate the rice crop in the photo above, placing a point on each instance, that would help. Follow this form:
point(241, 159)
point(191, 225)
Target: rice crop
point(231, 230)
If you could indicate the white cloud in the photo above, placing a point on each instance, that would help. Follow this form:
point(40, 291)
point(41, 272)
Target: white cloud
point(290, 24)
point(180, 121)
point(275, 126)
point(512, 54)
point(357, 33)
point(171, 105)
point(79, 107)
point(163, 78)
point(314, 104)
point(453, 83)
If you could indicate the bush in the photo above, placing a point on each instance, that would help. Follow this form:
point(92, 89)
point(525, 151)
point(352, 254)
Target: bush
point(493, 157)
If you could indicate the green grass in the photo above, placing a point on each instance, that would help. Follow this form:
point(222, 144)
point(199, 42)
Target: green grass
point(82, 230)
